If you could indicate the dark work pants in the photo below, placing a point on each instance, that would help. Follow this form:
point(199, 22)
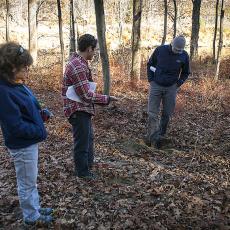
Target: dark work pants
point(83, 142)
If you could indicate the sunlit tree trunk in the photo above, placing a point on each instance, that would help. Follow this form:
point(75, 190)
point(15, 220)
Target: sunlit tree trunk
point(61, 34)
point(72, 30)
point(76, 28)
point(195, 28)
point(120, 21)
point(7, 21)
point(38, 9)
point(101, 28)
point(165, 21)
point(136, 34)
point(32, 9)
point(75, 23)
point(220, 41)
point(215, 32)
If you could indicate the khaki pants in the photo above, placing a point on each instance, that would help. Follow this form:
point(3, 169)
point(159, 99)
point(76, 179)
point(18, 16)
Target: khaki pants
point(157, 95)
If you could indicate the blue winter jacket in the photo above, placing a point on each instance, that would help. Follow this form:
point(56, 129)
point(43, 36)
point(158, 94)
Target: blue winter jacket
point(20, 118)
point(171, 68)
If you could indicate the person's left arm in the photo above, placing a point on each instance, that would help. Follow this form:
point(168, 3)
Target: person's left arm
point(45, 113)
point(185, 71)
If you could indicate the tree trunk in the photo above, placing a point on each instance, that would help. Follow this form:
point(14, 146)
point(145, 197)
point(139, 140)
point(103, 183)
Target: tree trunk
point(39, 5)
point(175, 19)
point(76, 30)
point(32, 9)
point(136, 34)
point(215, 32)
point(120, 21)
point(220, 41)
point(101, 28)
point(165, 22)
point(61, 34)
point(195, 28)
point(7, 21)
point(72, 30)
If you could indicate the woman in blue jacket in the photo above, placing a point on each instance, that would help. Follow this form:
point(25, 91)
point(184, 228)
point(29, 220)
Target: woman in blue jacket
point(22, 128)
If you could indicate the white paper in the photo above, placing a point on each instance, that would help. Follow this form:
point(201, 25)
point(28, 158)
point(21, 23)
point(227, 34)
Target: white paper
point(71, 94)
point(152, 69)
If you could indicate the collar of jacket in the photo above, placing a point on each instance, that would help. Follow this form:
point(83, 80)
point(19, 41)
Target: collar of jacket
point(171, 52)
point(170, 49)
point(5, 82)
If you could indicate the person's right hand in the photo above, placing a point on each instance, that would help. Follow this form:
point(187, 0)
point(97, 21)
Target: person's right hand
point(112, 98)
point(46, 114)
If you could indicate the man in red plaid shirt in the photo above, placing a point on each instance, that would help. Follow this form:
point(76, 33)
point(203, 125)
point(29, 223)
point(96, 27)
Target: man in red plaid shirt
point(79, 114)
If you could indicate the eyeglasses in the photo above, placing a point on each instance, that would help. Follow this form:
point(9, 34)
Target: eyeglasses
point(20, 50)
point(175, 50)
point(25, 69)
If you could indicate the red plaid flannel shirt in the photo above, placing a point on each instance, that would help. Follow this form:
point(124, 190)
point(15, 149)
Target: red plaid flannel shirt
point(77, 73)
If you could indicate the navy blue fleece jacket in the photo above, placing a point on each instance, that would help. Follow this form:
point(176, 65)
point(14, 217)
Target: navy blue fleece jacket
point(20, 118)
point(171, 68)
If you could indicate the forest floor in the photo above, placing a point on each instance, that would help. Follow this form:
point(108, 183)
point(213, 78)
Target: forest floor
point(184, 185)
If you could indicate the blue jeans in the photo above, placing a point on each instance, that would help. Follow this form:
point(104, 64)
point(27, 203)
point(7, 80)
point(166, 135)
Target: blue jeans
point(26, 166)
point(83, 142)
point(157, 95)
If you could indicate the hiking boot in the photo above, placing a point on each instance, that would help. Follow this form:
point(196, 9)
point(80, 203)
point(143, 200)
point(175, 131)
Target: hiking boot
point(156, 140)
point(46, 211)
point(91, 176)
point(42, 220)
point(147, 141)
point(158, 143)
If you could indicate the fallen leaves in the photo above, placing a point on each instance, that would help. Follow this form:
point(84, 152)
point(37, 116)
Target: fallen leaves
point(183, 185)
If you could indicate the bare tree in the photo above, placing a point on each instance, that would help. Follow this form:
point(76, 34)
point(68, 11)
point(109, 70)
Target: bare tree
point(220, 40)
point(101, 28)
point(165, 21)
point(120, 20)
point(121, 9)
point(75, 9)
point(136, 34)
point(215, 31)
point(7, 20)
point(32, 9)
point(195, 28)
point(41, 2)
point(61, 34)
point(72, 30)
point(175, 19)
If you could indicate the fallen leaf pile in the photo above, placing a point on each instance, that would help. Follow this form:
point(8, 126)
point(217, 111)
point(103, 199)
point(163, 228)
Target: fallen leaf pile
point(184, 185)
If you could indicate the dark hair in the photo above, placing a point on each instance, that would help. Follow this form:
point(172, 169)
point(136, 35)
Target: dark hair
point(85, 41)
point(13, 56)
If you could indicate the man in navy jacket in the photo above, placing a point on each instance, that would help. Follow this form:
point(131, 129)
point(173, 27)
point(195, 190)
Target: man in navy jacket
point(167, 69)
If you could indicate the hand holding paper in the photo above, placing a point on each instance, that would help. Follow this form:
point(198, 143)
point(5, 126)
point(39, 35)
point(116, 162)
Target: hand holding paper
point(71, 94)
